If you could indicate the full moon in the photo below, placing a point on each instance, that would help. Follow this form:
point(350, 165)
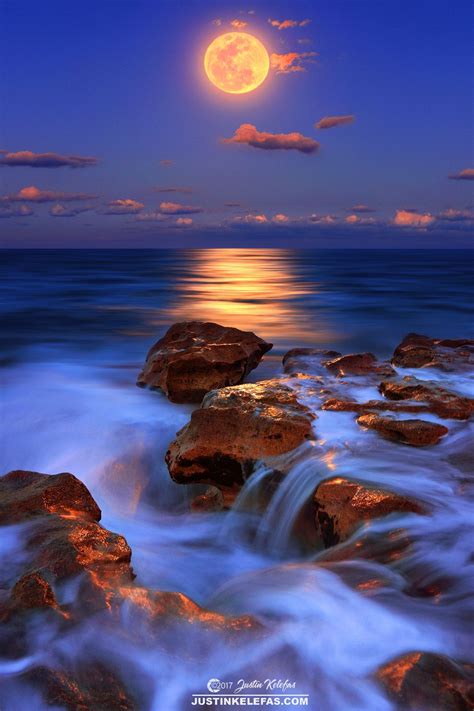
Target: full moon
point(236, 62)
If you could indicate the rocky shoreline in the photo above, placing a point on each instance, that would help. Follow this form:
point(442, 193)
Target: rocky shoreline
point(236, 428)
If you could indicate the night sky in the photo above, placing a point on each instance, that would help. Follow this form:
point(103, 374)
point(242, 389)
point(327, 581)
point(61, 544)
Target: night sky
point(123, 133)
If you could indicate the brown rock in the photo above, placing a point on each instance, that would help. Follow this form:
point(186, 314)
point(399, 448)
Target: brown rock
point(32, 591)
point(417, 433)
point(310, 361)
point(359, 364)
point(342, 505)
point(24, 494)
point(195, 357)
point(441, 402)
point(211, 500)
point(336, 405)
point(235, 427)
point(417, 351)
point(428, 682)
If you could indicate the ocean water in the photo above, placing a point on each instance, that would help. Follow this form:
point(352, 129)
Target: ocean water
point(76, 326)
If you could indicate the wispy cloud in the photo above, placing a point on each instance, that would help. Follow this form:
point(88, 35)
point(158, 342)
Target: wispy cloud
point(166, 162)
point(333, 121)
point(287, 24)
point(238, 24)
point(172, 189)
point(466, 174)
point(59, 210)
point(361, 208)
point(15, 211)
point(175, 208)
point(232, 204)
point(34, 194)
point(453, 215)
point(290, 62)
point(413, 218)
point(152, 216)
point(184, 222)
point(248, 134)
point(123, 206)
point(45, 160)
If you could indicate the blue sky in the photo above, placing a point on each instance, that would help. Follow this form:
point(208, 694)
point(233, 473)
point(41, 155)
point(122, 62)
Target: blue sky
point(123, 82)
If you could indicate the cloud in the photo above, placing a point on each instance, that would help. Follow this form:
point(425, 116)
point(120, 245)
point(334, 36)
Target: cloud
point(124, 206)
point(153, 216)
point(175, 208)
point(280, 219)
point(332, 121)
point(357, 220)
point(45, 160)
point(290, 62)
point(248, 134)
point(453, 215)
point(166, 163)
point(287, 24)
point(184, 222)
point(238, 24)
point(172, 190)
point(361, 208)
point(59, 210)
point(250, 220)
point(33, 194)
point(466, 174)
point(20, 211)
point(412, 218)
point(323, 219)
point(217, 22)
point(352, 219)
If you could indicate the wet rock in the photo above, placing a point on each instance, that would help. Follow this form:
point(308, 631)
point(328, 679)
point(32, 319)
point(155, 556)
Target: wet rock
point(416, 351)
point(428, 682)
point(211, 500)
point(235, 427)
point(32, 591)
point(338, 405)
point(441, 402)
point(195, 357)
point(310, 361)
point(24, 494)
point(359, 364)
point(417, 433)
point(342, 505)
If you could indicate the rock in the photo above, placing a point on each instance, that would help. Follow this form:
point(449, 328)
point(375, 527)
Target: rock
point(336, 405)
point(417, 351)
point(359, 364)
point(24, 494)
point(441, 402)
point(428, 682)
point(342, 505)
point(211, 500)
point(309, 361)
point(235, 427)
point(417, 433)
point(195, 357)
point(32, 591)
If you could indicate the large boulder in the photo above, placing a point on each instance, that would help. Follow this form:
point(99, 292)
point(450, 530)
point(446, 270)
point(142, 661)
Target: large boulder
point(428, 682)
point(417, 433)
point(416, 351)
point(359, 364)
point(341, 506)
point(195, 357)
point(235, 427)
point(440, 401)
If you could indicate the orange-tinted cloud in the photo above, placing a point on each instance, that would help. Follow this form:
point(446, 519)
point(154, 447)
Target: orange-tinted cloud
point(287, 24)
point(238, 24)
point(175, 208)
point(45, 160)
point(332, 121)
point(290, 62)
point(166, 163)
point(184, 222)
point(352, 219)
point(466, 174)
point(362, 208)
point(280, 219)
point(411, 218)
point(453, 215)
point(33, 194)
point(248, 134)
point(250, 220)
point(17, 211)
point(59, 210)
point(123, 206)
point(323, 219)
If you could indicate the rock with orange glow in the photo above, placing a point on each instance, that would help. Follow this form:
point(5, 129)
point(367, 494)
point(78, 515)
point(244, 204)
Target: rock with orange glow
point(338, 405)
point(24, 494)
point(195, 357)
point(416, 351)
point(359, 364)
point(234, 428)
point(309, 361)
point(417, 433)
point(428, 682)
point(341, 506)
point(440, 401)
